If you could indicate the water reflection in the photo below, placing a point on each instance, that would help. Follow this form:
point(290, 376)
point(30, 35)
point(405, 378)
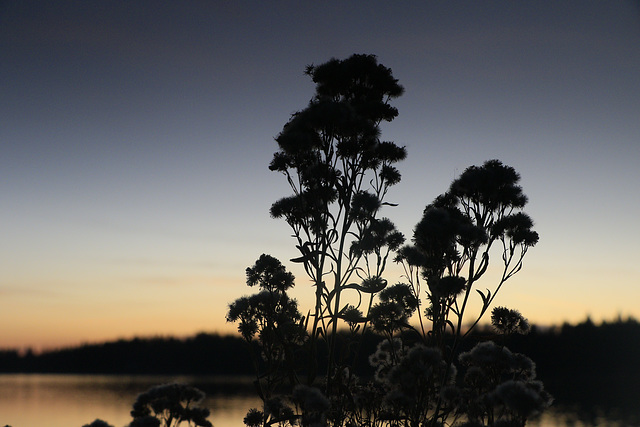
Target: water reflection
point(74, 400)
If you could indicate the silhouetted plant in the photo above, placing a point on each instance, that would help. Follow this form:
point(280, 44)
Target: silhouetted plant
point(170, 405)
point(271, 321)
point(340, 172)
point(415, 384)
point(500, 386)
point(453, 241)
point(507, 321)
point(397, 304)
point(313, 403)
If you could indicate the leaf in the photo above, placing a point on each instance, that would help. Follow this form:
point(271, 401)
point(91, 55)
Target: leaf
point(485, 298)
point(383, 284)
point(450, 323)
point(304, 321)
point(308, 255)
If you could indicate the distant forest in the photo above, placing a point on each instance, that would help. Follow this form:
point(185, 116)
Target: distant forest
point(598, 361)
point(584, 351)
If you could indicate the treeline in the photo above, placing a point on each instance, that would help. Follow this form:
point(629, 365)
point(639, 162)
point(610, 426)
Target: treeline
point(203, 354)
point(584, 352)
point(589, 366)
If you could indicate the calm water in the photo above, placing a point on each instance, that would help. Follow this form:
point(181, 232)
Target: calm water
point(75, 400)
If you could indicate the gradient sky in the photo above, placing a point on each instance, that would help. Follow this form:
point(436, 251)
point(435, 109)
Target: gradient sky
point(135, 139)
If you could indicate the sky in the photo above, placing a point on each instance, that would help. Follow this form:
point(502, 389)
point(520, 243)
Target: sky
point(135, 139)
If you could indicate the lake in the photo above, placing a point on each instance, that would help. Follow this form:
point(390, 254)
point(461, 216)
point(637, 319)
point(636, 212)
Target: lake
point(34, 400)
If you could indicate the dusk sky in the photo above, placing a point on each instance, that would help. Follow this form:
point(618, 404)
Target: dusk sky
point(135, 138)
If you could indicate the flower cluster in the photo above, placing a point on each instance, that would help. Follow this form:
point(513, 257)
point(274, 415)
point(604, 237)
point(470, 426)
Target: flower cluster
point(500, 386)
point(169, 405)
point(507, 321)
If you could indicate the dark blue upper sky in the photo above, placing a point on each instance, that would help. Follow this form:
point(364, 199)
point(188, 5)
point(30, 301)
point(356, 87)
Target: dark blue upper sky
point(135, 139)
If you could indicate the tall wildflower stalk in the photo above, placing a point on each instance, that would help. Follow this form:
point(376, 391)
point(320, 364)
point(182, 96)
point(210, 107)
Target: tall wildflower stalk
point(452, 246)
point(340, 171)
